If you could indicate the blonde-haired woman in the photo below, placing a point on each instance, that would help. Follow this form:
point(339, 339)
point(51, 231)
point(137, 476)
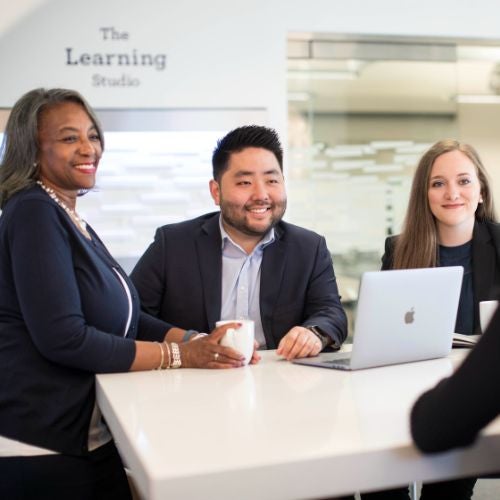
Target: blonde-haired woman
point(450, 220)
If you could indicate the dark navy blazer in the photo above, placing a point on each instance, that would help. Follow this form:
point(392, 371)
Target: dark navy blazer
point(179, 279)
point(485, 263)
point(63, 312)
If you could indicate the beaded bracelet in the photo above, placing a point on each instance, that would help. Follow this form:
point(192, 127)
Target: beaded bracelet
point(176, 355)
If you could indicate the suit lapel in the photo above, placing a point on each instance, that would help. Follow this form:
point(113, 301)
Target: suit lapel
point(208, 247)
point(271, 278)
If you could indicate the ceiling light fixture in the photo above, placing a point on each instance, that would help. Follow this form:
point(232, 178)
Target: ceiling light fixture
point(477, 99)
point(299, 96)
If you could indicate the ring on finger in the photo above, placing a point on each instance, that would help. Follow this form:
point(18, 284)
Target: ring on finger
point(216, 356)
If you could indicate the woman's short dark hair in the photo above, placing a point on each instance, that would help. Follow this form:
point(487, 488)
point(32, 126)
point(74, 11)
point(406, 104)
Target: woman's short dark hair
point(249, 136)
point(19, 150)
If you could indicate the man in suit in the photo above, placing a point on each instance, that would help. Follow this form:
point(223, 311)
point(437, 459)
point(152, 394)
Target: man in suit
point(244, 261)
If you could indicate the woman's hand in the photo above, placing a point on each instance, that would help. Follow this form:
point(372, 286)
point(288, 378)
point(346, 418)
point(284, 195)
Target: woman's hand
point(206, 352)
point(255, 355)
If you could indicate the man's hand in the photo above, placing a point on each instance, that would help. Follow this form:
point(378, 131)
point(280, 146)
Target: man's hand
point(299, 342)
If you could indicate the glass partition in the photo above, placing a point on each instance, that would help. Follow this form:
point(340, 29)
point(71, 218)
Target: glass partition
point(362, 110)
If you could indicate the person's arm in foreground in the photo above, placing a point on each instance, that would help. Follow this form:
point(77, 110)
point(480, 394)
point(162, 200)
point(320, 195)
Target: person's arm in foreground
point(453, 413)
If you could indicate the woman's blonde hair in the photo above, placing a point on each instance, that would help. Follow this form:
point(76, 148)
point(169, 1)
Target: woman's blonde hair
point(417, 245)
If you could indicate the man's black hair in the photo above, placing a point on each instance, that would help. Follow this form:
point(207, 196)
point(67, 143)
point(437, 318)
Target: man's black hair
point(249, 136)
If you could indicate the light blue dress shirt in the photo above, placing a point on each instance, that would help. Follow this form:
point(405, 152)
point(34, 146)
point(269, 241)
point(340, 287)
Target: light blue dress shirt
point(241, 281)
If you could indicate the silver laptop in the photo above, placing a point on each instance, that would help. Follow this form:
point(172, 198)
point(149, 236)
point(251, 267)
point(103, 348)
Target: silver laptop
point(402, 316)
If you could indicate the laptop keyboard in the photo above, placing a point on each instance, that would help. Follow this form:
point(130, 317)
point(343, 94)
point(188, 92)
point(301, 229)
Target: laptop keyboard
point(341, 364)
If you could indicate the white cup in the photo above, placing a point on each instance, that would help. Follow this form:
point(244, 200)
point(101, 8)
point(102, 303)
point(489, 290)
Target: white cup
point(487, 309)
point(241, 339)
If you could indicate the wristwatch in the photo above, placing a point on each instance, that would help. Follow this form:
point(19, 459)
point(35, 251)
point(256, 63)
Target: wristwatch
point(325, 339)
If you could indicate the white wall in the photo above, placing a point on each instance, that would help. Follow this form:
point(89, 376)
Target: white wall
point(221, 53)
point(399, 17)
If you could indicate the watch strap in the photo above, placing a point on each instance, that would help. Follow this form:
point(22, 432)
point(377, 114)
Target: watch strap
point(325, 339)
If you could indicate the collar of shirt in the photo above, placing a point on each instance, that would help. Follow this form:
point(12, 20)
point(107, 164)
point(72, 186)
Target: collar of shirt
point(230, 247)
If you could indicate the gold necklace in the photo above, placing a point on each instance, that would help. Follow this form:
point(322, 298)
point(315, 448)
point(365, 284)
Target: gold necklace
point(72, 214)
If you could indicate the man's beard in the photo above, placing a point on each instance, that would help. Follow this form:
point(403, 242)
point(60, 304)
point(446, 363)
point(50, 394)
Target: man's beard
point(231, 217)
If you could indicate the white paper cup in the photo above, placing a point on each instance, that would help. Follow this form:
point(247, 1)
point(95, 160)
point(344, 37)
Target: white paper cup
point(241, 339)
point(487, 309)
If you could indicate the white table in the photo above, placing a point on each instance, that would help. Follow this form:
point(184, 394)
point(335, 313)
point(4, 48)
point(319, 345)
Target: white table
point(278, 430)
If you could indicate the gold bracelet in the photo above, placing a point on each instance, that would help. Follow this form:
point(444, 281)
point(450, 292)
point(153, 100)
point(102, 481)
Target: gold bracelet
point(162, 356)
point(168, 353)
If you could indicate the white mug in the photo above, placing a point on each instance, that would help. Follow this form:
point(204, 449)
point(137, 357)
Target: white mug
point(241, 339)
point(487, 309)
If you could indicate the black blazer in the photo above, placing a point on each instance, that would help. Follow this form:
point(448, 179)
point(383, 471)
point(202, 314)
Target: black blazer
point(485, 263)
point(179, 279)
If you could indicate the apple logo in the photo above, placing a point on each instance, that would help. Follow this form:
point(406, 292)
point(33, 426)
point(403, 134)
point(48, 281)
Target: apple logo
point(409, 316)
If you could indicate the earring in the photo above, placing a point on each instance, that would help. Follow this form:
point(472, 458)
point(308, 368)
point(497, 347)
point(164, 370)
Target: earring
point(36, 170)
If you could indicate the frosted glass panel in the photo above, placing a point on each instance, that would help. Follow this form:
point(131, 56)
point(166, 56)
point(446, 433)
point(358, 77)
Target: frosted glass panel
point(358, 124)
point(147, 179)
